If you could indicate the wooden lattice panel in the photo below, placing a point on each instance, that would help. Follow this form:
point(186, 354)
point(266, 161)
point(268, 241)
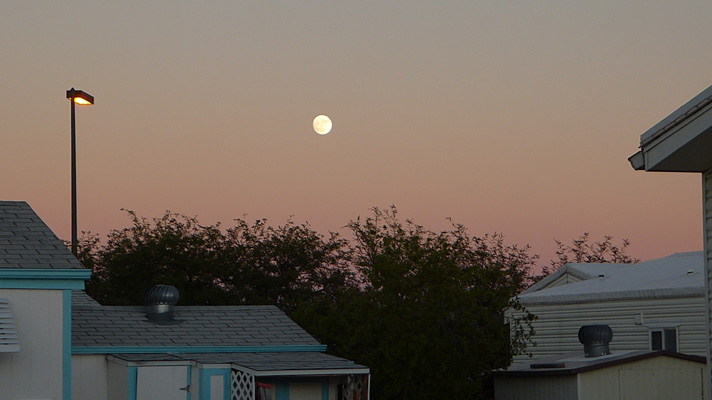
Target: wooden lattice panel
point(242, 385)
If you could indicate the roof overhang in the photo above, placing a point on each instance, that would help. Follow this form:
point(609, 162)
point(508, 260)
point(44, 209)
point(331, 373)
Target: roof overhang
point(43, 278)
point(303, 372)
point(681, 142)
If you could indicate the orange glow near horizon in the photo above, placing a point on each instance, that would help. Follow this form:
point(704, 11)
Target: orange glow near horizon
point(512, 117)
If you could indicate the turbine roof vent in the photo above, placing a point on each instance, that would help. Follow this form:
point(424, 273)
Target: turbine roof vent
point(595, 339)
point(158, 302)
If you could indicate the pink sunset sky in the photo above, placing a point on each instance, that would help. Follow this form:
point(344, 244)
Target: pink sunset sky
point(507, 116)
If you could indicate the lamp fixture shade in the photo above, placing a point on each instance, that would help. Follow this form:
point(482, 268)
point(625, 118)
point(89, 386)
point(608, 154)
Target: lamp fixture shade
point(80, 97)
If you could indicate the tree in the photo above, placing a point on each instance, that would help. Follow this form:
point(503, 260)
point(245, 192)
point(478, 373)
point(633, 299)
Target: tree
point(424, 310)
point(582, 250)
point(174, 250)
point(429, 318)
point(245, 264)
point(286, 265)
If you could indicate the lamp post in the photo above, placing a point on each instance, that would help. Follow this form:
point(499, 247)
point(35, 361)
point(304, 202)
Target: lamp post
point(81, 98)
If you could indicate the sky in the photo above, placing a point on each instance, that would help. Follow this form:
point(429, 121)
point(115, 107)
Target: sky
point(514, 117)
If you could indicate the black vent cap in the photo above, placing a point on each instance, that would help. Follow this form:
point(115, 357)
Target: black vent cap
point(595, 339)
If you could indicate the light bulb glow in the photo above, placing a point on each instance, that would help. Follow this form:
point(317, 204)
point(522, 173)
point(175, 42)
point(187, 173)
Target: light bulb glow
point(81, 101)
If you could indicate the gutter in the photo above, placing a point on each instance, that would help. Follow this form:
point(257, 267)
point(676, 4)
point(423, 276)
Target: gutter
point(637, 161)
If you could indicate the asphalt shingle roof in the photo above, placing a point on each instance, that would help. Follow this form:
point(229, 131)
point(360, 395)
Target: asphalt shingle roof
point(199, 326)
point(26, 242)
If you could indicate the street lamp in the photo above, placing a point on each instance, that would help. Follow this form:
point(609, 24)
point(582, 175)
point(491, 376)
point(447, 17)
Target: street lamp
point(81, 98)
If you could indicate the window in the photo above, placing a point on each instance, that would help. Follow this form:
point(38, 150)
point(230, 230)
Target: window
point(663, 339)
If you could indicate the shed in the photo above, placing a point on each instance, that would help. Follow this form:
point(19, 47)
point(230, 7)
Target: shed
point(631, 375)
point(206, 352)
point(56, 342)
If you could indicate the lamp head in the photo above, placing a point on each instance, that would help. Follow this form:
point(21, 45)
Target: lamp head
point(80, 97)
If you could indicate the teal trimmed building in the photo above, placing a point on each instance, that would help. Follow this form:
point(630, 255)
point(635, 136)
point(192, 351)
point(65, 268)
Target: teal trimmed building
point(57, 342)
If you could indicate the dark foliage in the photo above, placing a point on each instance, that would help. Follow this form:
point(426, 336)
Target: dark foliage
point(424, 310)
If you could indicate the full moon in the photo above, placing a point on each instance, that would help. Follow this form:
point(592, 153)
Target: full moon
point(322, 124)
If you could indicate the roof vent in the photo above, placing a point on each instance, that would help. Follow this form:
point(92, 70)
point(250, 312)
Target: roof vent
point(595, 339)
point(159, 301)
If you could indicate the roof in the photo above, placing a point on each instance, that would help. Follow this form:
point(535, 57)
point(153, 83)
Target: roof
point(269, 363)
point(678, 275)
point(575, 362)
point(116, 329)
point(26, 242)
point(81, 298)
point(678, 116)
point(680, 141)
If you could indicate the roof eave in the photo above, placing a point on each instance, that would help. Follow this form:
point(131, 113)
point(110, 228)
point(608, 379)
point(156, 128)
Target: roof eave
point(679, 142)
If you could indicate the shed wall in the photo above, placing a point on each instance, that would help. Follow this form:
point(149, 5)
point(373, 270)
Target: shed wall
point(305, 390)
point(654, 378)
point(89, 377)
point(117, 381)
point(536, 388)
point(556, 329)
point(36, 371)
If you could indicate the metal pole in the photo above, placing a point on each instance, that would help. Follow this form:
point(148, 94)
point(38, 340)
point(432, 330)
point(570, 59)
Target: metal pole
point(74, 185)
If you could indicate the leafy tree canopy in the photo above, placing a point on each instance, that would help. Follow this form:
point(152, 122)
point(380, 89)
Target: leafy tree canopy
point(423, 309)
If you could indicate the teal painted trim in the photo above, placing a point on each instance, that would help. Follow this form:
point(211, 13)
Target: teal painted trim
point(281, 391)
point(325, 389)
point(41, 284)
point(190, 382)
point(133, 383)
point(204, 385)
point(47, 278)
point(206, 373)
point(193, 349)
point(46, 274)
point(66, 344)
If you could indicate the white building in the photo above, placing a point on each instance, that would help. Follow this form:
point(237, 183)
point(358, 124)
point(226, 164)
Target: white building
point(652, 305)
point(682, 142)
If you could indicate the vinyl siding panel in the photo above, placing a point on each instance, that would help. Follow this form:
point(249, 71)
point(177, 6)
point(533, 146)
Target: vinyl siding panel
point(35, 372)
point(556, 329)
point(707, 227)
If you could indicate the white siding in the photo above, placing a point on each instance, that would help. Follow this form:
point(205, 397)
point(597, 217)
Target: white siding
point(556, 329)
point(36, 371)
point(707, 235)
point(89, 377)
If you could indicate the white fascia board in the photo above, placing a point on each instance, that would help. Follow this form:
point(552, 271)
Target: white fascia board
point(314, 372)
point(304, 372)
